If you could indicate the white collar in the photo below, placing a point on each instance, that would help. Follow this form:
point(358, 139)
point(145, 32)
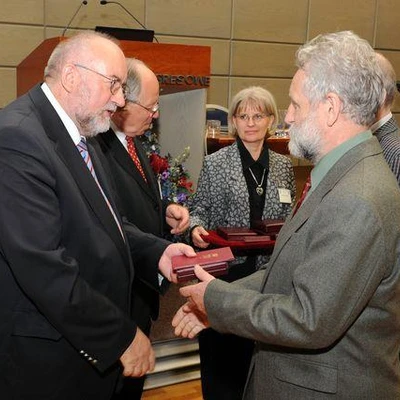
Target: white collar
point(374, 127)
point(66, 120)
point(120, 135)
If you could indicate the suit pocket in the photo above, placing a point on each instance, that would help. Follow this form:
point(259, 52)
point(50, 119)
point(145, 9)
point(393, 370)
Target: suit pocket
point(306, 374)
point(33, 324)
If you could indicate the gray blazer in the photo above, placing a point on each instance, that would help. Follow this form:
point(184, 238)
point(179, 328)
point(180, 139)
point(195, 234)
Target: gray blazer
point(222, 198)
point(325, 312)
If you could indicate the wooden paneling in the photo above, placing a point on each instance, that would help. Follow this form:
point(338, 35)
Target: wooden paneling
point(220, 50)
point(94, 14)
point(7, 89)
point(387, 29)
point(22, 11)
point(263, 59)
point(17, 41)
point(339, 15)
point(218, 93)
point(270, 20)
point(206, 18)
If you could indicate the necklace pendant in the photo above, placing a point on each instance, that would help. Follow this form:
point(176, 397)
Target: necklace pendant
point(259, 190)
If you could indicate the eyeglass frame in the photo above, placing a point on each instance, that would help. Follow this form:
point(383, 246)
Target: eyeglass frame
point(113, 80)
point(246, 117)
point(151, 110)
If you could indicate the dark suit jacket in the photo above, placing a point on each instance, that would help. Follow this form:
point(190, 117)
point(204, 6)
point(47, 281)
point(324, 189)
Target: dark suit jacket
point(389, 139)
point(325, 311)
point(65, 269)
point(142, 205)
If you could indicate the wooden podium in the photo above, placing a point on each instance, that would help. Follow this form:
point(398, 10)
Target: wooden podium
point(178, 67)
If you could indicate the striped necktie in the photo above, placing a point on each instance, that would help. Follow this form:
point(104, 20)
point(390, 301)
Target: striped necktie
point(132, 152)
point(83, 150)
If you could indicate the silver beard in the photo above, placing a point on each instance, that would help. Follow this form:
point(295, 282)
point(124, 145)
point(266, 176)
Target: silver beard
point(306, 140)
point(93, 125)
point(90, 125)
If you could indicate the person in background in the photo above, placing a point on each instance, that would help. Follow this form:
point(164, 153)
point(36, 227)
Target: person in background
point(324, 312)
point(240, 183)
point(67, 257)
point(385, 127)
point(137, 188)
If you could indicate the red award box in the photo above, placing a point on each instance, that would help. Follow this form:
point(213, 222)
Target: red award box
point(214, 261)
point(268, 226)
point(235, 233)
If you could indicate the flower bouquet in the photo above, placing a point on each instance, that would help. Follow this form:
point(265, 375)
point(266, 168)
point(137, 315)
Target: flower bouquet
point(173, 178)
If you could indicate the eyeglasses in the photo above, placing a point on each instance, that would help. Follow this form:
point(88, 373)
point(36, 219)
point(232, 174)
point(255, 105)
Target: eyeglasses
point(256, 118)
point(151, 110)
point(115, 83)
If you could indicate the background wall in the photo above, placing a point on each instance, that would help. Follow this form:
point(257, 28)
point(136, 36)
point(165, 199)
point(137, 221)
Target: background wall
point(253, 42)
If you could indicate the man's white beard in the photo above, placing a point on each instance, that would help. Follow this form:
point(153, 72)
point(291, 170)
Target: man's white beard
point(306, 140)
point(94, 125)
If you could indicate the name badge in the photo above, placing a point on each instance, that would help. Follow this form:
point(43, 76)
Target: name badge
point(284, 195)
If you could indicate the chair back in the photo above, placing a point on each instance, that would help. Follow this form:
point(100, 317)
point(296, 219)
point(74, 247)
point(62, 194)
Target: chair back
point(215, 111)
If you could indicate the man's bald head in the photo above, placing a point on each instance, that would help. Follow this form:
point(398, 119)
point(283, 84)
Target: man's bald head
point(140, 76)
point(389, 80)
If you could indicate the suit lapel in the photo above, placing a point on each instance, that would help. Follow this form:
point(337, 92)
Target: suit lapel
point(94, 151)
point(151, 178)
point(292, 224)
point(295, 222)
point(122, 157)
point(74, 163)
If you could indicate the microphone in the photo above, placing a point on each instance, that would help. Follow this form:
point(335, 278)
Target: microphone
point(104, 2)
point(84, 2)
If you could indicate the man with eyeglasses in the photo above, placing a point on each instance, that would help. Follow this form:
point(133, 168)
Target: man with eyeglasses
point(138, 189)
point(67, 257)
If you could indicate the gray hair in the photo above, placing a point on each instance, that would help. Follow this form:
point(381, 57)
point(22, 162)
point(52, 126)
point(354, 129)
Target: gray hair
point(253, 96)
point(344, 64)
point(134, 81)
point(72, 49)
point(388, 78)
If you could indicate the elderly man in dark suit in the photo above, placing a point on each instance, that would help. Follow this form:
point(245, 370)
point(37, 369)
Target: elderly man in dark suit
point(66, 254)
point(138, 190)
point(385, 127)
point(324, 311)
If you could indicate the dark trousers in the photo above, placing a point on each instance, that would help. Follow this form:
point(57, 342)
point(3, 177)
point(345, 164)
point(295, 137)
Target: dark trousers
point(132, 389)
point(224, 364)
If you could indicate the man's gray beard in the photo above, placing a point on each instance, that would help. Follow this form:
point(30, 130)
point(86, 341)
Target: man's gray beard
point(93, 127)
point(305, 141)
